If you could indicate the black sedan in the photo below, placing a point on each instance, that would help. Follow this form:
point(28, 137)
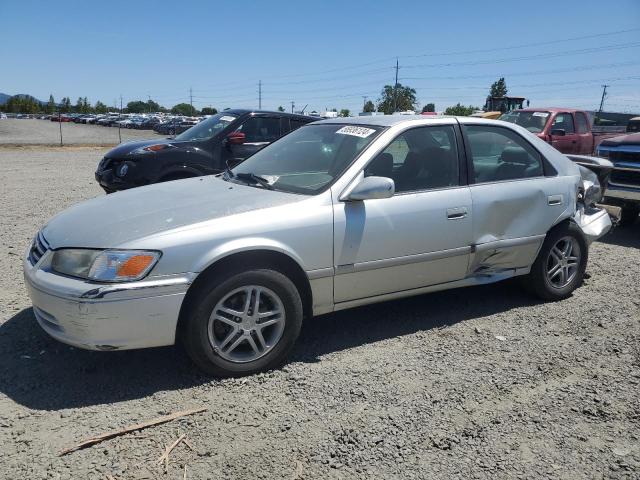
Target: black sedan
point(226, 138)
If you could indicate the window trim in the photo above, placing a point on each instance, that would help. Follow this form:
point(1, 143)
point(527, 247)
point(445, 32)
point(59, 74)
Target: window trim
point(462, 167)
point(547, 169)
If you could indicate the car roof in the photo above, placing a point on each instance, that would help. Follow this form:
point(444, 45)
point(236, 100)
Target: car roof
point(243, 111)
point(548, 109)
point(383, 120)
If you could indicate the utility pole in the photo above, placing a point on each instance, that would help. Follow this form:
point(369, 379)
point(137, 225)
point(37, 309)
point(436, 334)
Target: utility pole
point(191, 100)
point(120, 120)
point(364, 102)
point(259, 94)
point(395, 90)
point(149, 103)
point(604, 94)
point(292, 105)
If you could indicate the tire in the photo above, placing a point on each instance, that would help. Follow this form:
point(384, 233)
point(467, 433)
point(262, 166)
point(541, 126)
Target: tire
point(628, 215)
point(225, 345)
point(553, 285)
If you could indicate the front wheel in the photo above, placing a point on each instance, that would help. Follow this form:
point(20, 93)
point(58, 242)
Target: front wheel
point(245, 324)
point(559, 268)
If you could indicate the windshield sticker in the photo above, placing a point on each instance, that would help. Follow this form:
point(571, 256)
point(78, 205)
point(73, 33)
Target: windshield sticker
point(541, 114)
point(361, 132)
point(227, 118)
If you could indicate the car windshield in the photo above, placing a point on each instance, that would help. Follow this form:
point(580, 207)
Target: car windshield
point(208, 128)
point(532, 121)
point(306, 160)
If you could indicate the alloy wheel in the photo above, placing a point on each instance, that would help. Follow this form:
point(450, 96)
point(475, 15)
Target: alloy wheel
point(246, 324)
point(563, 262)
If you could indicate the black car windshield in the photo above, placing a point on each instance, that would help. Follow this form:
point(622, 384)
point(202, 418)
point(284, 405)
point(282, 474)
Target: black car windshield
point(306, 160)
point(208, 128)
point(532, 121)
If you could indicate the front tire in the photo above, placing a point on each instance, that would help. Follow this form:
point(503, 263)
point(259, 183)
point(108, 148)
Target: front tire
point(244, 324)
point(559, 268)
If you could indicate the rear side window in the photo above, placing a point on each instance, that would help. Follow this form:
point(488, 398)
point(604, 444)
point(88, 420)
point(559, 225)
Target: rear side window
point(499, 154)
point(564, 121)
point(581, 121)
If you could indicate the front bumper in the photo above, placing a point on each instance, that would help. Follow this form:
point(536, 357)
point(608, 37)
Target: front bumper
point(97, 316)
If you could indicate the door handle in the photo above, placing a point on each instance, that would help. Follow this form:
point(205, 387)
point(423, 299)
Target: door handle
point(456, 213)
point(555, 200)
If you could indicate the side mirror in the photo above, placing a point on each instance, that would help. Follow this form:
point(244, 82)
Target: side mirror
point(372, 188)
point(236, 138)
point(558, 132)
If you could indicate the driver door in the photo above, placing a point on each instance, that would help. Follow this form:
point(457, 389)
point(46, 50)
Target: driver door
point(259, 132)
point(419, 237)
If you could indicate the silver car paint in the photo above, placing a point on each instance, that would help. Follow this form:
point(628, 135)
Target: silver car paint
point(377, 252)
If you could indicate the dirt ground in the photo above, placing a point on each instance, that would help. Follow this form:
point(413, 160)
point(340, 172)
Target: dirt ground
point(44, 132)
point(484, 382)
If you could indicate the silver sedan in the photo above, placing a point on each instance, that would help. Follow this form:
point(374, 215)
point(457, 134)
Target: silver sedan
point(339, 213)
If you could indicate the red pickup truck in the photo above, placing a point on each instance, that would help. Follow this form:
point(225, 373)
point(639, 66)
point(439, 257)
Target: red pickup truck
point(568, 130)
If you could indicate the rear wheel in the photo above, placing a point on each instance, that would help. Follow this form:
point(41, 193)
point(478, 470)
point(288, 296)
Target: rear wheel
point(560, 265)
point(244, 324)
point(628, 215)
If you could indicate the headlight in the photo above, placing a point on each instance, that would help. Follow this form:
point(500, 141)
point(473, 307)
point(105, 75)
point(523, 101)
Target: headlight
point(122, 170)
point(104, 265)
point(150, 148)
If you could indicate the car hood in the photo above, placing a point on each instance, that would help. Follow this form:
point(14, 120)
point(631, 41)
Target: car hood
point(630, 139)
point(112, 220)
point(126, 148)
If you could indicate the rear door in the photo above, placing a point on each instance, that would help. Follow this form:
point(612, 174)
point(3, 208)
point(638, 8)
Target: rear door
point(514, 203)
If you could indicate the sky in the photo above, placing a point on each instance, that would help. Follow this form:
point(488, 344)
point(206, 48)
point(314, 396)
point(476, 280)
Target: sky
point(322, 54)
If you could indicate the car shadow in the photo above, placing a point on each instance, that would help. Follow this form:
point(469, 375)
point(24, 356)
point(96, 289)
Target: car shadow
point(41, 373)
point(627, 236)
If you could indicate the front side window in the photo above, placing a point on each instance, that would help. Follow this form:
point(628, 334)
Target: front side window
point(419, 159)
point(500, 154)
point(307, 160)
point(563, 121)
point(260, 129)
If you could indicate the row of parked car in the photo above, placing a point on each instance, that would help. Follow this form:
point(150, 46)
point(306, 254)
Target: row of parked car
point(167, 125)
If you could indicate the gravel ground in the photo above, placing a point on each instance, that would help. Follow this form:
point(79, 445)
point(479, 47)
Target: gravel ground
point(44, 132)
point(484, 382)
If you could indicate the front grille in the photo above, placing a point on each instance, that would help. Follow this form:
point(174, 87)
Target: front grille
point(625, 157)
point(38, 248)
point(625, 177)
point(104, 164)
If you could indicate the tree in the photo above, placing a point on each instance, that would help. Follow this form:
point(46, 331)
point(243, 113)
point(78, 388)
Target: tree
point(51, 105)
point(498, 88)
point(137, 106)
point(65, 105)
point(429, 107)
point(208, 111)
point(183, 109)
point(345, 112)
point(100, 107)
point(460, 110)
point(397, 99)
point(369, 107)
point(281, 108)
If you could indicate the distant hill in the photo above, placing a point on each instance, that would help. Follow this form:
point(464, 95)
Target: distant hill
point(4, 97)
